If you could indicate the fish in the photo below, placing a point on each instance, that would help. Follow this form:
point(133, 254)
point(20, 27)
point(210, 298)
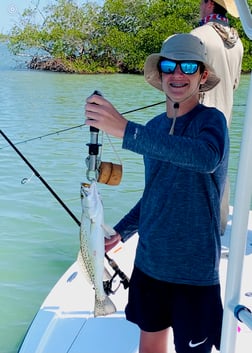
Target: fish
point(91, 254)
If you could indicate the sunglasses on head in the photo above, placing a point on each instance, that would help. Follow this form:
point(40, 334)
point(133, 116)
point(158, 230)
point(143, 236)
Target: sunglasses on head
point(186, 66)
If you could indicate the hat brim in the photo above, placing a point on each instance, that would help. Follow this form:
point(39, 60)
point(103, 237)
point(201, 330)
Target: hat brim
point(230, 6)
point(153, 77)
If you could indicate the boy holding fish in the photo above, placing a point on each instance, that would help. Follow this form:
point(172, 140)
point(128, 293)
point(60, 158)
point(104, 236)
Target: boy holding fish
point(175, 280)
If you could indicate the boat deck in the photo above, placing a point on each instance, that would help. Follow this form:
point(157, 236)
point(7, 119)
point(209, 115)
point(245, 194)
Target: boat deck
point(65, 321)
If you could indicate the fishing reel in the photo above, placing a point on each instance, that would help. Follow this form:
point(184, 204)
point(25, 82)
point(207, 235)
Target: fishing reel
point(103, 172)
point(107, 285)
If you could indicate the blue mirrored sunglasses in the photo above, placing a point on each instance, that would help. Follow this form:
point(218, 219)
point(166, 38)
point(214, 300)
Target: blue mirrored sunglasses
point(187, 67)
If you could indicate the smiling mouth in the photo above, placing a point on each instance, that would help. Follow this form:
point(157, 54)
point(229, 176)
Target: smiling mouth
point(178, 85)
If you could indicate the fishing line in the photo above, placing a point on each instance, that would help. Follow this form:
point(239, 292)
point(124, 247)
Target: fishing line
point(27, 180)
point(46, 135)
point(78, 126)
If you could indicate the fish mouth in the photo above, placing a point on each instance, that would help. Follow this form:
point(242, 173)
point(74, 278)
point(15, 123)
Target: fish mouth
point(86, 185)
point(85, 188)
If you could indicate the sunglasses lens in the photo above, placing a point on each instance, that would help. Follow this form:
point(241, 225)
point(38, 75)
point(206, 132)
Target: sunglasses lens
point(189, 67)
point(167, 66)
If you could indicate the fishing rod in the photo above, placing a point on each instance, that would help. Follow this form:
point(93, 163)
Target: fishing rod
point(111, 262)
point(36, 173)
point(78, 126)
point(82, 125)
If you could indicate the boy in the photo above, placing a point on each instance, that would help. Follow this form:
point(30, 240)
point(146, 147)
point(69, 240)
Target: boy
point(175, 281)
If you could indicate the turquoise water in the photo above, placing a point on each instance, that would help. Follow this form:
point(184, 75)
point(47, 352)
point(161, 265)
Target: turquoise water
point(39, 240)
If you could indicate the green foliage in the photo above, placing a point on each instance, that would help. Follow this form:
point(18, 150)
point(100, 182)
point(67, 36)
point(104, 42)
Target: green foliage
point(114, 37)
point(247, 64)
point(3, 37)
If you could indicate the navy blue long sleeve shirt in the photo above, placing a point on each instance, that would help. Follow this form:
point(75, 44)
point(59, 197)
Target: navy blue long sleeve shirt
point(178, 216)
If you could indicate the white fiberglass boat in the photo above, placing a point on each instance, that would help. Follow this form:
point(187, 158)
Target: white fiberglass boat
point(65, 323)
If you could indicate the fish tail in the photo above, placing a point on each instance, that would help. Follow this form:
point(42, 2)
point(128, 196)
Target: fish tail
point(104, 307)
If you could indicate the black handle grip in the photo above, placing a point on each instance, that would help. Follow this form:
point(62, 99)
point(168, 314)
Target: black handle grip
point(92, 128)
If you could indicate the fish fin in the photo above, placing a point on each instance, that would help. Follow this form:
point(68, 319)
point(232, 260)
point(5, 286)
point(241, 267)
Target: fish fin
point(108, 231)
point(104, 307)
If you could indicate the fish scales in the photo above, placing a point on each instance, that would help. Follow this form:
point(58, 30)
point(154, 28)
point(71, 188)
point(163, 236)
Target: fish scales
point(91, 254)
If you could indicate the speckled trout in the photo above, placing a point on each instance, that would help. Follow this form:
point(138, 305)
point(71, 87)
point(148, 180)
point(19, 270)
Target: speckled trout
point(91, 254)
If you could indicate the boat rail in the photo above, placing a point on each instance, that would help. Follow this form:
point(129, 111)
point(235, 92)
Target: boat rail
point(243, 314)
point(243, 192)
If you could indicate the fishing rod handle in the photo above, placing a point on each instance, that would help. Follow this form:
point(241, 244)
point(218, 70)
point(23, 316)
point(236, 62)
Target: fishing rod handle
point(92, 128)
point(93, 147)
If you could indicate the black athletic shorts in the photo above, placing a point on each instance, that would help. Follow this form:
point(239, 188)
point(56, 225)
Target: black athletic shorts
point(194, 312)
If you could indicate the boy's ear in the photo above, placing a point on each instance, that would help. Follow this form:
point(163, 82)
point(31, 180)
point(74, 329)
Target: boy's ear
point(204, 77)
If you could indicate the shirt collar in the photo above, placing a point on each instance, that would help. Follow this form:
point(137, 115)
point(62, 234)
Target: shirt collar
point(212, 17)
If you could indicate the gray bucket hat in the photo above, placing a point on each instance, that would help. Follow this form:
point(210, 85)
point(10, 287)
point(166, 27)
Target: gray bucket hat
point(180, 47)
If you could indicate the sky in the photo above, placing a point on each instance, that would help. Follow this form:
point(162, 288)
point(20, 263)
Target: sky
point(10, 10)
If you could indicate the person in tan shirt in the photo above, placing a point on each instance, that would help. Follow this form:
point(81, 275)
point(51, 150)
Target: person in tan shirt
point(225, 53)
